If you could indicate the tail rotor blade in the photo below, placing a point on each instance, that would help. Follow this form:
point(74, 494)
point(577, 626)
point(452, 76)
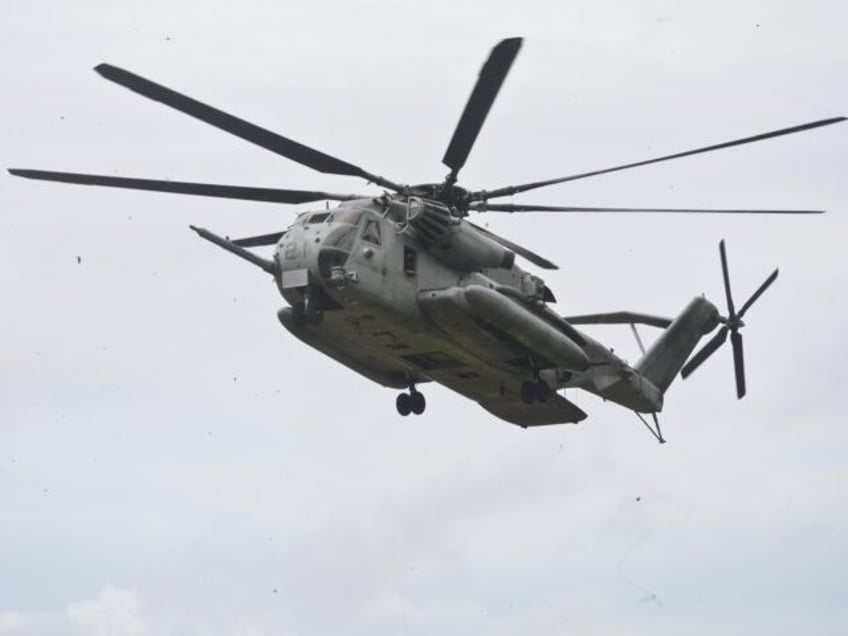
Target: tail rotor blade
point(709, 349)
point(726, 275)
point(733, 323)
point(758, 293)
point(738, 363)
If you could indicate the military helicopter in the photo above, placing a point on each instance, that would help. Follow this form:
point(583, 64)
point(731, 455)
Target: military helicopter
point(402, 288)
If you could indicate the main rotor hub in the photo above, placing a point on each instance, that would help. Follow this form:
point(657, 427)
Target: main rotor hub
point(455, 197)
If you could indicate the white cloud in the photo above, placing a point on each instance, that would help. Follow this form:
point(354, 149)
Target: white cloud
point(114, 612)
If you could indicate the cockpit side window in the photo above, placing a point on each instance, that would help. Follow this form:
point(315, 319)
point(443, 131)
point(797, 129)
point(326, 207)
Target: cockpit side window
point(371, 232)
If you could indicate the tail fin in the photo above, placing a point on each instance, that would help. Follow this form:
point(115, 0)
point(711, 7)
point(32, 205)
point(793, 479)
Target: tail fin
point(668, 354)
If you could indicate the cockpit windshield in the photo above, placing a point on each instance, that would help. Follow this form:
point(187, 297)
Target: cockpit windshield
point(349, 217)
point(344, 216)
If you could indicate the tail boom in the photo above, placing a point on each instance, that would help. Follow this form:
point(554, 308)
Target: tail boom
point(664, 359)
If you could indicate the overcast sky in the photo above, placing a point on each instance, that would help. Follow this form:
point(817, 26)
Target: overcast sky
point(172, 461)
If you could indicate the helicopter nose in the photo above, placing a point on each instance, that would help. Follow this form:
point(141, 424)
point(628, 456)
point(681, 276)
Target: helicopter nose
point(296, 258)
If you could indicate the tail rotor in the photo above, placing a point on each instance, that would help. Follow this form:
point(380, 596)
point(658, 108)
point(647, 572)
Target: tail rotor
point(732, 324)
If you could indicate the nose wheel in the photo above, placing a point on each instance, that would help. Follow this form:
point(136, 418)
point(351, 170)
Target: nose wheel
point(309, 313)
point(412, 402)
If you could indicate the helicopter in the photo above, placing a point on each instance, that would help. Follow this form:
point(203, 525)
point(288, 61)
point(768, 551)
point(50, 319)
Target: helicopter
point(404, 289)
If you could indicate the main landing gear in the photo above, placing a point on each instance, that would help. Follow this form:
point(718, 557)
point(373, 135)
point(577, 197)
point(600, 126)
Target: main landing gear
point(308, 316)
point(536, 391)
point(412, 402)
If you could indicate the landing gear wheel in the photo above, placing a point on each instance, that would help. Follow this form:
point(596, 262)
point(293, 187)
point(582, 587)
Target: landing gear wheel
point(312, 312)
point(528, 392)
point(537, 391)
point(404, 404)
point(417, 402)
point(543, 391)
point(315, 316)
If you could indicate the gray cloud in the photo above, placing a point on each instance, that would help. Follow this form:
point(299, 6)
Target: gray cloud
point(172, 462)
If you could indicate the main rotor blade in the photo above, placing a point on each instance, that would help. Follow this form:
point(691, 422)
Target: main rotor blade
point(509, 190)
point(260, 136)
point(520, 207)
point(738, 363)
point(521, 251)
point(708, 350)
point(726, 275)
point(256, 241)
point(758, 293)
point(488, 84)
point(270, 195)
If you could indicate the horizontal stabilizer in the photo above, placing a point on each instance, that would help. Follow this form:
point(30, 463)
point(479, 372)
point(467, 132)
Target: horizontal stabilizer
point(620, 318)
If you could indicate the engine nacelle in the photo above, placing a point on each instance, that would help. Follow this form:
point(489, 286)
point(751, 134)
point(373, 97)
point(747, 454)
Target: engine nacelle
point(452, 307)
point(452, 240)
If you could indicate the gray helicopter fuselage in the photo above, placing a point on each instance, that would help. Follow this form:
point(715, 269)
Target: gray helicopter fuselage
point(400, 311)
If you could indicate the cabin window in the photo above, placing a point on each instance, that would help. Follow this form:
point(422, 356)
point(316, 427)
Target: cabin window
point(371, 232)
point(318, 218)
point(409, 261)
